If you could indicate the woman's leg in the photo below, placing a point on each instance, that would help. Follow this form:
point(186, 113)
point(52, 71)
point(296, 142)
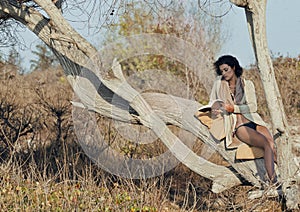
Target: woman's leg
point(263, 130)
point(257, 139)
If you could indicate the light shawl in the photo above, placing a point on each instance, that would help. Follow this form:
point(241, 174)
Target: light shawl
point(244, 102)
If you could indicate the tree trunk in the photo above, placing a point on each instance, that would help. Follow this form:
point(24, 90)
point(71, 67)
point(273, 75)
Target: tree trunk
point(256, 19)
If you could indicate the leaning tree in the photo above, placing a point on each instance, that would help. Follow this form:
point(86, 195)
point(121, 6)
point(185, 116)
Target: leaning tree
point(97, 78)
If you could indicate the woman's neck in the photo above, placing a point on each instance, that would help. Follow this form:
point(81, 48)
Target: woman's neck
point(232, 81)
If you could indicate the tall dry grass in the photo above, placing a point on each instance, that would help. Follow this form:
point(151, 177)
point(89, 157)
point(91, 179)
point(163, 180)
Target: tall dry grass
point(287, 73)
point(43, 167)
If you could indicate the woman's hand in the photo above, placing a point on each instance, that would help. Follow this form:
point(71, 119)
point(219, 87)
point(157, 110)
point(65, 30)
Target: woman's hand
point(229, 108)
point(216, 112)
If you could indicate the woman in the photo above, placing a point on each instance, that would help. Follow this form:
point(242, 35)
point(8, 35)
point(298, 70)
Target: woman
point(240, 110)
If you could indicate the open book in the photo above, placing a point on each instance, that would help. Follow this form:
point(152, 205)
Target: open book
point(217, 104)
point(211, 116)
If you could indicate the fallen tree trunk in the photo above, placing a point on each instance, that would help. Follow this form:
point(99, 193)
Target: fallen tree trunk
point(160, 104)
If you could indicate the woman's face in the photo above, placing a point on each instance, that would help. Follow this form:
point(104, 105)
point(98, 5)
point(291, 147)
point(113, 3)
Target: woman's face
point(227, 72)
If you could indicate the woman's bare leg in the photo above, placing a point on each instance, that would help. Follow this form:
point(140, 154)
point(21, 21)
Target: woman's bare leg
point(263, 130)
point(257, 139)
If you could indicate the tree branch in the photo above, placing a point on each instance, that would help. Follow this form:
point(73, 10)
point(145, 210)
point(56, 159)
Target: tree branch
point(240, 3)
point(65, 28)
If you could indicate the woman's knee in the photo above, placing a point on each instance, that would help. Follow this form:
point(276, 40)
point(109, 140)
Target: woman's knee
point(270, 141)
point(268, 146)
point(266, 133)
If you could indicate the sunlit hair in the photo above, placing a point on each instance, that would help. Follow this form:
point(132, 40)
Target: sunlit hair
point(231, 61)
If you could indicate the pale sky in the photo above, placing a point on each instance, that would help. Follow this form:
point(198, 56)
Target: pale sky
point(283, 33)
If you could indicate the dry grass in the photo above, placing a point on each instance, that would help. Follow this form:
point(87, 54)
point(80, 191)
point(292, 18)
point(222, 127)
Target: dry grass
point(287, 73)
point(43, 168)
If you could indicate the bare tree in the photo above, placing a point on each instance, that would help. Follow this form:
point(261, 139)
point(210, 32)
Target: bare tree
point(44, 18)
point(255, 12)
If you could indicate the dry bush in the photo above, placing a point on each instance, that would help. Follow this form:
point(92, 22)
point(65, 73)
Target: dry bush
point(287, 73)
point(19, 119)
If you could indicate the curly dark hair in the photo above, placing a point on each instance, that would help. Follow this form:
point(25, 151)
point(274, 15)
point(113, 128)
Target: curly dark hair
point(231, 61)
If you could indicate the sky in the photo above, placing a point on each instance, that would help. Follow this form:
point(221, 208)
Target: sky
point(283, 33)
